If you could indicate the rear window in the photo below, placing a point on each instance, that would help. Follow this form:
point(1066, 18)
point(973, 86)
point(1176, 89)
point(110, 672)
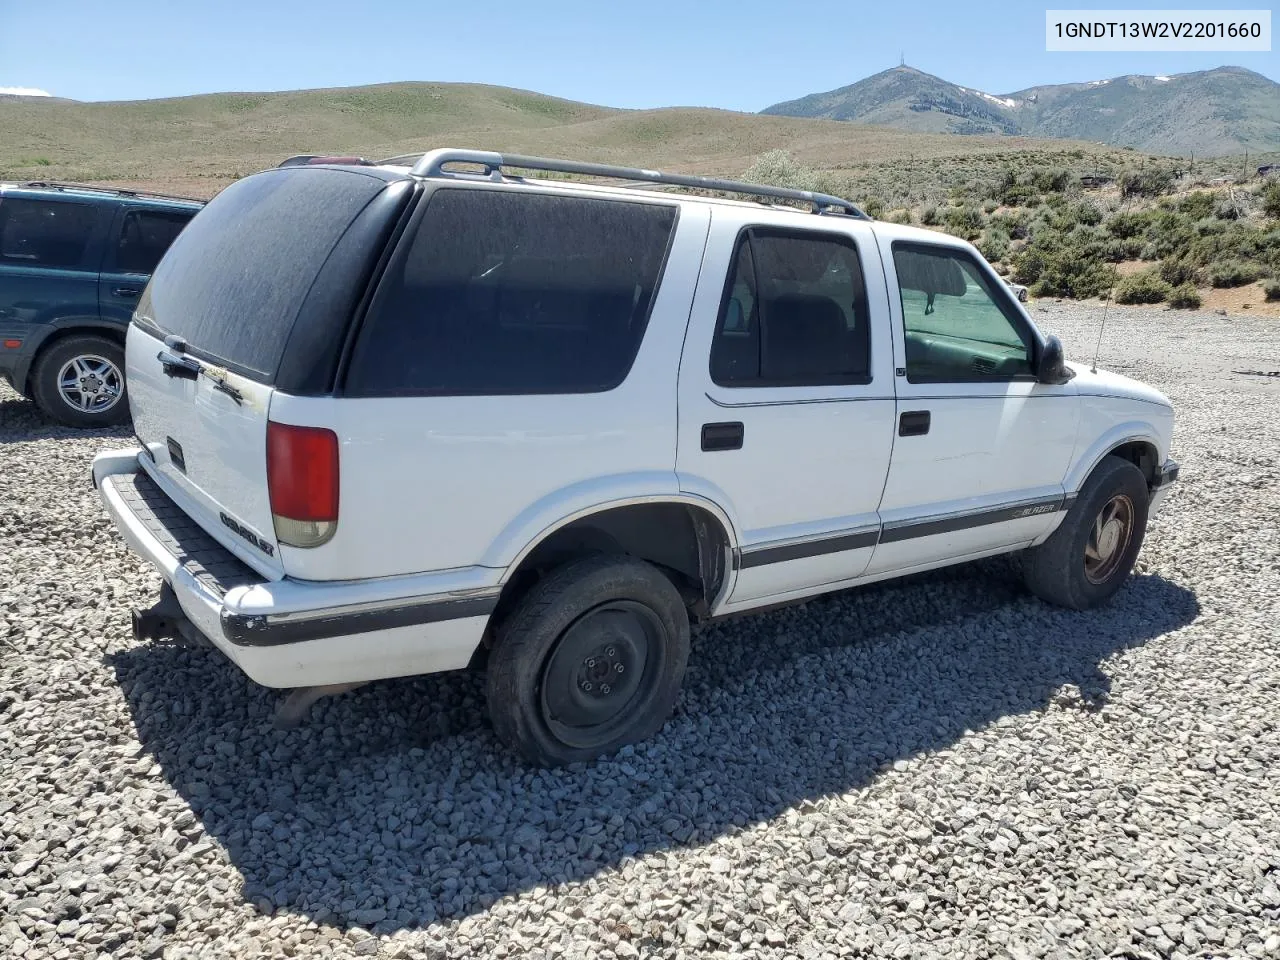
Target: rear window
point(234, 280)
point(144, 237)
point(45, 233)
point(514, 293)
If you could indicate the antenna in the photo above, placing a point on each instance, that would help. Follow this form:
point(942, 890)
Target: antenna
point(1098, 347)
point(902, 58)
point(1106, 305)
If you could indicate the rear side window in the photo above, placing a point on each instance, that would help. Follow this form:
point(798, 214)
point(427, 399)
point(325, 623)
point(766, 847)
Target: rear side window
point(144, 237)
point(45, 233)
point(234, 280)
point(514, 293)
point(794, 313)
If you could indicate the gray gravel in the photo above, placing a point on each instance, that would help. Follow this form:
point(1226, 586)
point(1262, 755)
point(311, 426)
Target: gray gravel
point(940, 767)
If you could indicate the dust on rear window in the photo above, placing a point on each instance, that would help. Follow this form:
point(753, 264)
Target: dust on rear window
point(234, 280)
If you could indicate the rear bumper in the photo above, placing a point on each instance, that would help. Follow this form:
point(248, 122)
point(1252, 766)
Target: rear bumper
point(289, 633)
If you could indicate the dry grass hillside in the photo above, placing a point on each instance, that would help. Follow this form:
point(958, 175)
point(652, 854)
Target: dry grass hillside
point(197, 145)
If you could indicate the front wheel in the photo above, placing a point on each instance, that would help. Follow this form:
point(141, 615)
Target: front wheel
point(590, 660)
point(1088, 558)
point(79, 382)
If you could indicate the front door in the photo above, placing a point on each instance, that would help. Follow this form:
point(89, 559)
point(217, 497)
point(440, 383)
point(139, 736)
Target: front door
point(786, 407)
point(980, 447)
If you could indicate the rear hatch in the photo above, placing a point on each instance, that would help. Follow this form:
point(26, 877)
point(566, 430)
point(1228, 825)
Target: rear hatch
point(254, 297)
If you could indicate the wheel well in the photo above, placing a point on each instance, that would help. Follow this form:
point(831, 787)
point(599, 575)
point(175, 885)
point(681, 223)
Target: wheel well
point(110, 333)
point(687, 543)
point(1142, 455)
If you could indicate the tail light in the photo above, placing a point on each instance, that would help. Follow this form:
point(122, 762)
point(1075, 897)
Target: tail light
point(302, 479)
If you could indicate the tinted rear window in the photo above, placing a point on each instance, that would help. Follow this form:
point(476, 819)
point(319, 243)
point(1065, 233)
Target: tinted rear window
point(144, 237)
point(52, 233)
point(514, 293)
point(235, 278)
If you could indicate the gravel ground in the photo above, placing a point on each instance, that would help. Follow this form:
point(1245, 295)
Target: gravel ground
point(940, 767)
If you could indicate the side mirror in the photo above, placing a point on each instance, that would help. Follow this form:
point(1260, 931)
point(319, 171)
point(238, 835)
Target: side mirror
point(1051, 366)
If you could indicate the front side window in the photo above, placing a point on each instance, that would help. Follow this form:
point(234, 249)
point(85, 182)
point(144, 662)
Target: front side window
point(144, 237)
point(956, 328)
point(45, 233)
point(794, 313)
point(514, 293)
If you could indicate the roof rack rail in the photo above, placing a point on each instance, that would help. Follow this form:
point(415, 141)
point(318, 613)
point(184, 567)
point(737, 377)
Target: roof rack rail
point(120, 191)
point(306, 159)
point(432, 164)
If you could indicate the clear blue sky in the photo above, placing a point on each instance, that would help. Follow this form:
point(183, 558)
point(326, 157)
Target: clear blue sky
point(742, 55)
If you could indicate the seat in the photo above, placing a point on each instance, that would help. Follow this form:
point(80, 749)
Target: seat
point(804, 336)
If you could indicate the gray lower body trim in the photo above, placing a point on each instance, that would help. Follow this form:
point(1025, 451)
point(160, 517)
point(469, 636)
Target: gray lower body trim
point(897, 531)
point(267, 631)
point(766, 553)
point(932, 526)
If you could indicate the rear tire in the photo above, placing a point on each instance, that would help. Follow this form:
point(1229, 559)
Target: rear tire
point(79, 382)
point(590, 659)
point(1091, 554)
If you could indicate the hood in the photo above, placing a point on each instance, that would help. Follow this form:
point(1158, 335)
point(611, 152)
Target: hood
point(1107, 384)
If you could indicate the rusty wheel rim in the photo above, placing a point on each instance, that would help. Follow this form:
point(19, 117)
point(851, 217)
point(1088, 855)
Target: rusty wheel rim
point(1109, 539)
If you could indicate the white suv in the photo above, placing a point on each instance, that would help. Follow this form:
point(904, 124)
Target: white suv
point(397, 419)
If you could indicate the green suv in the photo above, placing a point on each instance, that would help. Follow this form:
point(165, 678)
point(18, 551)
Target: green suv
point(73, 262)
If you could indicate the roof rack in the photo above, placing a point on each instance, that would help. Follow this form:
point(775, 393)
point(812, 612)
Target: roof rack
point(432, 164)
point(308, 159)
point(120, 191)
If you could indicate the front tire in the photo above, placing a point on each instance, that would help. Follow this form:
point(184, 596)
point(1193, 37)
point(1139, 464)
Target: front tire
point(590, 660)
point(79, 382)
point(1088, 558)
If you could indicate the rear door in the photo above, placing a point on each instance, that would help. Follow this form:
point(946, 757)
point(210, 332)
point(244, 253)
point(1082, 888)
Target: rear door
point(138, 238)
point(786, 396)
point(260, 286)
point(49, 247)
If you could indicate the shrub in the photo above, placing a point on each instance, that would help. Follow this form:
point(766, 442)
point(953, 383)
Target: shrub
point(1178, 272)
point(995, 244)
point(929, 216)
point(1145, 183)
point(1184, 297)
point(964, 222)
point(1050, 180)
point(779, 168)
point(1125, 225)
point(873, 207)
point(1144, 287)
point(1271, 289)
point(1198, 205)
point(1233, 273)
point(1271, 200)
point(1116, 250)
point(899, 216)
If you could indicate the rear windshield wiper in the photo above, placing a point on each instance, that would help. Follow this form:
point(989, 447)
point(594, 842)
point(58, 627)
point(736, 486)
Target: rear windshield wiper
point(178, 363)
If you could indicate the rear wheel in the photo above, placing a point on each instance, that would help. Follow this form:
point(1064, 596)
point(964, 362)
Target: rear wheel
point(79, 381)
point(1088, 558)
point(591, 659)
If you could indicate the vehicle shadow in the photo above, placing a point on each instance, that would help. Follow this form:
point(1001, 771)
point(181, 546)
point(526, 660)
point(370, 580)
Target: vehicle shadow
point(21, 420)
point(394, 806)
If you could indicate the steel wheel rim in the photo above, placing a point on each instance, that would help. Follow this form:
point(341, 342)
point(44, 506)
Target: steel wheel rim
point(90, 383)
point(1109, 539)
point(601, 673)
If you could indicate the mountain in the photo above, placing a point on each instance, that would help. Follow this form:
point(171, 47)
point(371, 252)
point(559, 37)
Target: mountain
point(1210, 113)
point(197, 145)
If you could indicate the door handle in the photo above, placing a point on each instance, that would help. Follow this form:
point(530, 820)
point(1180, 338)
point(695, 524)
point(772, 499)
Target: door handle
point(722, 436)
point(914, 423)
point(127, 291)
